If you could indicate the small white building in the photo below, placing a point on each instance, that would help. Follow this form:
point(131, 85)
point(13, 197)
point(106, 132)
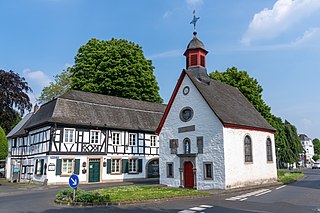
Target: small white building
point(98, 137)
point(211, 136)
point(306, 157)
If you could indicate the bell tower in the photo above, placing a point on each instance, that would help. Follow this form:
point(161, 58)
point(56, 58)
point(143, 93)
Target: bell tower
point(195, 53)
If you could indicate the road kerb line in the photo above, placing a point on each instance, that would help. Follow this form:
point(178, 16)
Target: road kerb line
point(243, 199)
point(280, 187)
point(262, 193)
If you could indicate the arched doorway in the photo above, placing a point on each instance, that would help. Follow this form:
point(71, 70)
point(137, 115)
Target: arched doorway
point(153, 168)
point(188, 175)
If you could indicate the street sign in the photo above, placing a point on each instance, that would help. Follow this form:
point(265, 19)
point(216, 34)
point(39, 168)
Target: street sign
point(73, 181)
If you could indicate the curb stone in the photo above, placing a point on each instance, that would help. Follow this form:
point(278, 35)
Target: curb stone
point(85, 204)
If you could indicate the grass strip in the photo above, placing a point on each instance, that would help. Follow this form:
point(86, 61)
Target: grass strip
point(289, 177)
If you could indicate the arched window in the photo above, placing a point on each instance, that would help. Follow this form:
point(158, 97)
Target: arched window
point(247, 149)
point(269, 150)
point(187, 146)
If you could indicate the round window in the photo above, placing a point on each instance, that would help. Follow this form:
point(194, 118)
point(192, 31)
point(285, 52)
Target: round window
point(186, 114)
point(186, 90)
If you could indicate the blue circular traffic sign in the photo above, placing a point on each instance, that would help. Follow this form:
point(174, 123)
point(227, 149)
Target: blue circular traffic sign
point(73, 181)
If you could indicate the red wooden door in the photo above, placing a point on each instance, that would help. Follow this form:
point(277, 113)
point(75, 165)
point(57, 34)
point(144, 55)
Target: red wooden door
point(188, 175)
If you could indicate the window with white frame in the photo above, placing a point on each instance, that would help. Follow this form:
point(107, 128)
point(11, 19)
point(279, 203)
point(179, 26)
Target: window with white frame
point(133, 165)
point(38, 172)
point(69, 135)
point(153, 140)
point(132, 139)
point(116, 138)
point(67, 166)
point(115, 165)
point(95, 136)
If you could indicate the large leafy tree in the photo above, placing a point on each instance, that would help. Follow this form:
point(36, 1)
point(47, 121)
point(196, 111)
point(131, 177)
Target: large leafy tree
point(13, 90)
point(115, 67)
point(61, 84)
point(316, 145)
point(3, 145)
point(293, 142)
point(250, 88)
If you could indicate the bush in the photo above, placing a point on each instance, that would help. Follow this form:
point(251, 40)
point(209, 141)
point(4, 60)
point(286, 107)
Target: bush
point(66, 195)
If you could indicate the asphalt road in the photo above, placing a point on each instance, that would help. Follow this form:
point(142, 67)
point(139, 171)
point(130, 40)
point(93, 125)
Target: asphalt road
point(302, 196)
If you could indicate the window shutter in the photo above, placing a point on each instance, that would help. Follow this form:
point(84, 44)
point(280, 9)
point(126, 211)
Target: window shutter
point(36, 167)
point(41, 166)
point(108, 166)
point(140, 165)
point(124, 165)
point(58, 167)
point(77, 166)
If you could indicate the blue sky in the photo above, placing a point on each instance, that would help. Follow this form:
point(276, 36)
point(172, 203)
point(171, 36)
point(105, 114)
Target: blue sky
point(275, 41)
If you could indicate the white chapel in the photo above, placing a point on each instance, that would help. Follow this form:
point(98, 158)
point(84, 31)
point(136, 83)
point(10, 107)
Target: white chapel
point(211, 136)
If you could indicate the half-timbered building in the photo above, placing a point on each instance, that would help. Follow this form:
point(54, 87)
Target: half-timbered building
point(101, 138)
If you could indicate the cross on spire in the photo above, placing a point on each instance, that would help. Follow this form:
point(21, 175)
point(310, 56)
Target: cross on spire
point(194, 20)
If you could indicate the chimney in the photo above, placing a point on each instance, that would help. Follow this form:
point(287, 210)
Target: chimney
point(35, 108)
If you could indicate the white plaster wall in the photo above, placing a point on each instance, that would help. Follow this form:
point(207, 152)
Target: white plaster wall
point(239, 173)
point(206, 125)
point(64, 179)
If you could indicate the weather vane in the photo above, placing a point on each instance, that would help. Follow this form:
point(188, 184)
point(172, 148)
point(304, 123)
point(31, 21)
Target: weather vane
point(194, 20)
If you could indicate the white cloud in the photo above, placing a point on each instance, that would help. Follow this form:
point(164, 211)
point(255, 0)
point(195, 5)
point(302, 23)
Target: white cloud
point(194, 2)
point(311, 36)
point(36, 77)
point(167, 54)
point(269, 23)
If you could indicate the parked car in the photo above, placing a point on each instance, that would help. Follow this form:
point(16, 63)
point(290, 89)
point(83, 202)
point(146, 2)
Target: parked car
point(316, 166)
point(2, 173)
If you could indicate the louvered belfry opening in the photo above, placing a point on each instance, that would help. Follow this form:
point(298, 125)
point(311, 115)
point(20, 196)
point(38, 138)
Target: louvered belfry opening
point(195, 53)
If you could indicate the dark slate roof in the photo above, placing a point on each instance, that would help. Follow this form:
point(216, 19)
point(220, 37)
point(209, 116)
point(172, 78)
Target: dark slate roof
point(195, 43)
point(226, 101)
point(303, 137)
point(19, 128)
point(91, 109)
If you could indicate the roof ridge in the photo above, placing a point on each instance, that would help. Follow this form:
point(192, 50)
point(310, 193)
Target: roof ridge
point(64, 96)
point(115, 107)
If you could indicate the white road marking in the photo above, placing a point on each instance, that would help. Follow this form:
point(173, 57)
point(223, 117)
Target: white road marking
point(197, 209)
point(233, 198)
point(206, 206)
point(262, 193)
point(186, 211)
point(245, 196)
point(280, 187)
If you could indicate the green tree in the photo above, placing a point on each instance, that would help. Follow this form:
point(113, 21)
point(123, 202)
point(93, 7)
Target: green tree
point(3, 145)
point(115, 67)
point(61, 84)
point(13, 90)
point(293, 142)
point(316, 145)
point(316, 157)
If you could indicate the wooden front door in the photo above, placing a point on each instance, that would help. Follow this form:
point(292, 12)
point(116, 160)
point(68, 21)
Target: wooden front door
point(188, 175)
point(94, 170)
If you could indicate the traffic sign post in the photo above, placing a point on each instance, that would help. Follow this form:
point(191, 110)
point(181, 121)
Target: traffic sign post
point(73, 183)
